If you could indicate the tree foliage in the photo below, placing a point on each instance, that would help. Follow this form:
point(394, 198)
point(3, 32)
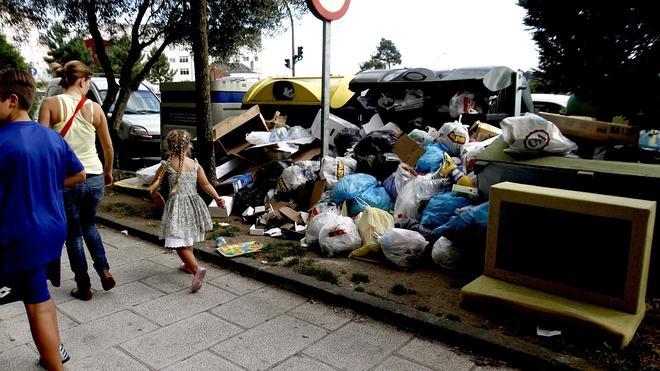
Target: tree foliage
point(386, 55)
point(9, 56)
point(63, 47)
point(161, 71)
point(607, 54)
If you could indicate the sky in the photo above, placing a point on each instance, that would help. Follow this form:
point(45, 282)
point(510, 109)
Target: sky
point(434, 34)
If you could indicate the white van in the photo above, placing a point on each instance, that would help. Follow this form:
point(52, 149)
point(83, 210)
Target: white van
point(137, 141)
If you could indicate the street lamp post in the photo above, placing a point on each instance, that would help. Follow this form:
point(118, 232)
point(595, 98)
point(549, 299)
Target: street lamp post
point(293, 41)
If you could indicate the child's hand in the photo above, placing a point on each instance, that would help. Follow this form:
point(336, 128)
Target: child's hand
point(220, 202)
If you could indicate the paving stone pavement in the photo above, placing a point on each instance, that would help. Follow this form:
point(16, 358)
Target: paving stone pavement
point(151, 321)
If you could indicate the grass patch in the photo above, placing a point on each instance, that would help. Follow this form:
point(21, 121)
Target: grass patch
point(359, 289)
point(320, 273)
point(359, 278)
point(218, 231)
point(292, 262)
point(275, 252)
point(399, 289)
point(125, 209)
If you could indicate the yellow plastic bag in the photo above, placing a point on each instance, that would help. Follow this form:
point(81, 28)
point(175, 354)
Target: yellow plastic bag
point(372, 224)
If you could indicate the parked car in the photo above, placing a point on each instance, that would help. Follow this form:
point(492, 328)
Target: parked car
point(551, 103)
point(137, 140)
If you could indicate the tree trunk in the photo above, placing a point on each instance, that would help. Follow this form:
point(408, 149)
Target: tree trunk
point(205, 150)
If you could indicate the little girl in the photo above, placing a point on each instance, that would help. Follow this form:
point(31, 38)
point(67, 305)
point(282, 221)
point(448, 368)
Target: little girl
point(186, 217)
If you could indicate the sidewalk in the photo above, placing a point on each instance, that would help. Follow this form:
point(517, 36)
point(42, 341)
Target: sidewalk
point(152, 321)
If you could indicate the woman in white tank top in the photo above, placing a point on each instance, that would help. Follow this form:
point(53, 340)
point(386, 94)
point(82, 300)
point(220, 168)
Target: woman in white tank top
point(79, 129)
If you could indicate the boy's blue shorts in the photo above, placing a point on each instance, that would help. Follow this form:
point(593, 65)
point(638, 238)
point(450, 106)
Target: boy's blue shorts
point(30, 285)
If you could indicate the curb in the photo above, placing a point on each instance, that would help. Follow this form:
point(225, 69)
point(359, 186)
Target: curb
point(520, 353)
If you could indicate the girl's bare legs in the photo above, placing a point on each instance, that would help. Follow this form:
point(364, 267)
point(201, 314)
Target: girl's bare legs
point(45, 332)
point(187, 256)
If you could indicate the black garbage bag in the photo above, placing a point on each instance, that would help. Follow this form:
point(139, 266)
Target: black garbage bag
point(249, 196)
point(375, 143)
point(267, 175)
point(380, 166)
point(346, 139)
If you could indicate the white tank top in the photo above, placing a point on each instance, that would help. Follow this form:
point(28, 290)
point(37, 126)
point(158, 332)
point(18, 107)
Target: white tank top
point(81, 135)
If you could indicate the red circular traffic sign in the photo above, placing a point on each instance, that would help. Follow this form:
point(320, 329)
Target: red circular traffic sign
point(323, 10)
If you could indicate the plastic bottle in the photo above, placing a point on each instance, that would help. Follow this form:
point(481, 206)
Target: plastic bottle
point(453, 172)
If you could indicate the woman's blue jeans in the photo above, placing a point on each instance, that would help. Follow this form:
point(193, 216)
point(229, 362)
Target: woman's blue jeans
point(81, 202)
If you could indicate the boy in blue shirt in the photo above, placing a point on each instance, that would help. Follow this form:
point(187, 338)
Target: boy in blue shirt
point(35, 166)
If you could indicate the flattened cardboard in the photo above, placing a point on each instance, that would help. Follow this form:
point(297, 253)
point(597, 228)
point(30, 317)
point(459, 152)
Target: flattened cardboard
point(290, 213)
point(591, 129)
point(408, 150)
point(317, 192)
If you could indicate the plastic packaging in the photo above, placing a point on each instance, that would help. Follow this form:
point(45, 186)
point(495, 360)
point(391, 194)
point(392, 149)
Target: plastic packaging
point(339, 235)
point(298, 132)
point(279, 134)
point(455, 173)
point(440, 208)
point(351, 186)
point(316, 223)
point(533, 134)
point(375, 143)
point(258, 137)
point(373, 196)
point(421, 137)
point(297, 175)
point(453, 135)
point(335, 168)
point(432, 158)
point(346, 139)
point(402, 247)
point(372, 224)
point(445, 254)
point(461, 103)
point(477, 215)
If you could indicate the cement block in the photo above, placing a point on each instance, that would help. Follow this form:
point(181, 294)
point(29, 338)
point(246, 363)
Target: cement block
point(91, 338)
point(135, 271)
point(398, 363)
point(181, 340)
point(22, 358)
point(322, 315)
point(15, 331)
point(435, 355)
point(237, 284)
point(302, 363)
point(175, 280)
point(258, 307)
point(269, 343)
point(107, 302)
point(182, 304)
point(206, 361)
point(358, 346)
point(12, 310)
point(62, 294)
point(109, 359)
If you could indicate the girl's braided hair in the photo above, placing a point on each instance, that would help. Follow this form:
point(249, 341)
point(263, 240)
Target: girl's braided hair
point(178, 144)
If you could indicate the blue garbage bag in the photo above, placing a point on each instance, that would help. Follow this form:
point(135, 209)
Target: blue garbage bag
point(432, 158)
point(350, 186)
point(441, 208)
point(474, 216)
point(374, 196)
point(390, 187)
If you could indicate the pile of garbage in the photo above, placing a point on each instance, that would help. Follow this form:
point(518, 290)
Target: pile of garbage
point(379, 193)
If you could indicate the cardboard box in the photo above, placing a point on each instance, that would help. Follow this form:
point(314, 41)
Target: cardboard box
point(230, 132)
point(408, 150)
point(334, 126)
point(221, 212)
point(601, 131)
point(482, 131)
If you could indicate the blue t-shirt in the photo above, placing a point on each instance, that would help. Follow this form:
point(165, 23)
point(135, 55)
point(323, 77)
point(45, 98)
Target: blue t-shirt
point(34, 161)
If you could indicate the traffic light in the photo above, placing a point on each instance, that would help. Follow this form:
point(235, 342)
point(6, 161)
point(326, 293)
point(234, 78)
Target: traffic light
point(287, 63)
point(299, 56)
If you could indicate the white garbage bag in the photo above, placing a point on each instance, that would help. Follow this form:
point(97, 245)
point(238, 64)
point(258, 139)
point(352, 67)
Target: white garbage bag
point(402, 247)
point(532, 134)
point(339, 235)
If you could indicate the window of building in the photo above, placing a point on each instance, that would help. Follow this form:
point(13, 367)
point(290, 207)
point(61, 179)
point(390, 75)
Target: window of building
point(172, 60)
point(245, 59)
point(184, 71)
point(183, 59)
point(256, 59)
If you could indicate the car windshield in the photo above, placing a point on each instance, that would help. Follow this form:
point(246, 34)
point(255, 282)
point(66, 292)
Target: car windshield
point(140, 102)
